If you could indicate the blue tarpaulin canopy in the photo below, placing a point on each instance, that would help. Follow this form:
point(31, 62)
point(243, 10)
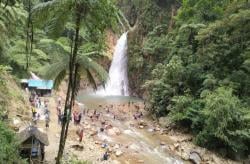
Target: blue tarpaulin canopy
point(41, 84)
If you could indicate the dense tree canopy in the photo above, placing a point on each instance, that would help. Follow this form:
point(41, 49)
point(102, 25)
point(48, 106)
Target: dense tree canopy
point(198, 71)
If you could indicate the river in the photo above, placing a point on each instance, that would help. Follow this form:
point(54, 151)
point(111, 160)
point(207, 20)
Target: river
point(137, 144)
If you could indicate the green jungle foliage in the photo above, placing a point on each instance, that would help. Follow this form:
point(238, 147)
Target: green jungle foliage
point(9, 145)
point(190, 59)
point(36, 35)
point(203, 81)
point(3, 90)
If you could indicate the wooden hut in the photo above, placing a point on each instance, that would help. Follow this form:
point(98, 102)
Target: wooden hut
point(33, 143)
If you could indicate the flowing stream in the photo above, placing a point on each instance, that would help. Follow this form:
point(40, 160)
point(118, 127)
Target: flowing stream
point(143, 144)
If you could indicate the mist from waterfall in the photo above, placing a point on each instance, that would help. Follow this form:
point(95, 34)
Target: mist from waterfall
point(117, 83)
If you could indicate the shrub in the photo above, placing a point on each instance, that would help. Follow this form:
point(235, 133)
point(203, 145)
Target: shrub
point(225, 125)
point(8, 145)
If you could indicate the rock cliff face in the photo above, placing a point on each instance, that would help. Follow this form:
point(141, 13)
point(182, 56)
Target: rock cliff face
point(144, 17)
point(111, 40)
point(105, 61)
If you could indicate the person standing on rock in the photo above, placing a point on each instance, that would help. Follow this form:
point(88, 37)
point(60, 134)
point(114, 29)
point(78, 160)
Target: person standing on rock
point(105, 156)
point(59, 100)
point(59, 112)
point(33, 109)
point(78, 118)
point(47, 120)
point(80, 134)
point(46, 109)
point(61, 117)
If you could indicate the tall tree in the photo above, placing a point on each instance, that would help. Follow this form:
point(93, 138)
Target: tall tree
point(83, 13)
point(29, 34)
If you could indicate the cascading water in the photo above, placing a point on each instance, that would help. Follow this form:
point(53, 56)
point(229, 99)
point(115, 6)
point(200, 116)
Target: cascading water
point(117, 83)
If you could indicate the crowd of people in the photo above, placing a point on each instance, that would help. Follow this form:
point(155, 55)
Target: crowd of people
point(38, 105)
point(95, 116)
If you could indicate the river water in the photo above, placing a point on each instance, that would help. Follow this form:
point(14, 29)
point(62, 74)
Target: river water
point(141, 144)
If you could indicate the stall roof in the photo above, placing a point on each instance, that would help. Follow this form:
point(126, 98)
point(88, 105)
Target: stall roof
point(30, 131)
point(41, 84)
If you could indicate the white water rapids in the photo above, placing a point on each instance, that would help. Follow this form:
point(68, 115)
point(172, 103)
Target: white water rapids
point(117, 84)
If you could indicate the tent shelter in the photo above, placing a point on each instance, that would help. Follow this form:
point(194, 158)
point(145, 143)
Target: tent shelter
point(33, 142)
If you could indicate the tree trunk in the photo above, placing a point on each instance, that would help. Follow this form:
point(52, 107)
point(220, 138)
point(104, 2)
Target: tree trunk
point(71, 90)
point(65, 117)
point(73, 93)
point(29, 37)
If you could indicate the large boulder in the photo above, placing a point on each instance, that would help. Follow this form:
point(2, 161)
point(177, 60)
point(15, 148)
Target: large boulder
point(116, 146)
point(93, 133)
point(141, 126)
point(164, 121)
point(77, 147)
point(194, 157)
point(142, 123)
point(118, 153)
point(114, 131)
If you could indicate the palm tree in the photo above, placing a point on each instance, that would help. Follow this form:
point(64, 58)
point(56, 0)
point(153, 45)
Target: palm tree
point(59, 69)
point(17, 56)
point(29, 33)
point(91, 14)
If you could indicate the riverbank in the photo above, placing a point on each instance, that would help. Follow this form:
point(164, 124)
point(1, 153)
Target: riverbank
point(126, 139)
point(141, 140)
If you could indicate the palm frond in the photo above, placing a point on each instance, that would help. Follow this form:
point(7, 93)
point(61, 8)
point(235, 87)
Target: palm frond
point(42, 11)
point(40, 54)
point(57, 24)
point(91, 79)
point(88, 64)
point(10, 17)
point(53, 70)
point(56, 49)
point(59, 78)
point(54, 13)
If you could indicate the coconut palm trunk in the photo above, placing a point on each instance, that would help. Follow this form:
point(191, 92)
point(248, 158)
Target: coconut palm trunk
point(70, 98)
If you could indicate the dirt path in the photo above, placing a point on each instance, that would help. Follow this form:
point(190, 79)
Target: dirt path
point(91, 152)
point(53, 131)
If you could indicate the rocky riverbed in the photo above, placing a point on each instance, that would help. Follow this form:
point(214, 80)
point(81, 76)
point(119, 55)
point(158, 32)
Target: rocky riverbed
point(130, 140)
point(125, 138)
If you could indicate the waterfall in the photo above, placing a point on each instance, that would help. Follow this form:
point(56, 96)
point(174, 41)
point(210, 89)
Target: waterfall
point(117, 83)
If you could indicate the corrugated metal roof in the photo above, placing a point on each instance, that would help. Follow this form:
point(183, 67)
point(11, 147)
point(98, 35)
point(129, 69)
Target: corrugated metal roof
point(41, 84)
